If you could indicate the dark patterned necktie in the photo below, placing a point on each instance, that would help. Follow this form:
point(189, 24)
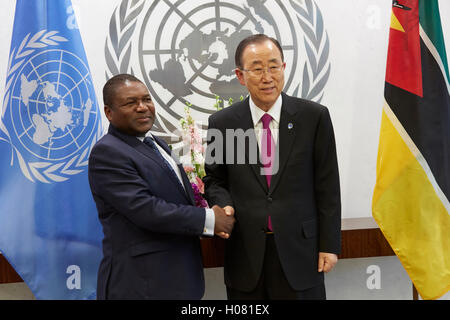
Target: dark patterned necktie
point(152, 144)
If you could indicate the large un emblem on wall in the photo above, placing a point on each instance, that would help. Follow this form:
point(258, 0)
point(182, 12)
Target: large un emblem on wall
point(184, 50)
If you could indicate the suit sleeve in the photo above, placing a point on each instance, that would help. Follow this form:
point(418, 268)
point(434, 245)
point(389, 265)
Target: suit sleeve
point(118, 188)
point(327, 186)
point(216, 181)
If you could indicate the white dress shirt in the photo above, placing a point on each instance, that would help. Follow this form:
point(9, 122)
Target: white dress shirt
point(274, 112)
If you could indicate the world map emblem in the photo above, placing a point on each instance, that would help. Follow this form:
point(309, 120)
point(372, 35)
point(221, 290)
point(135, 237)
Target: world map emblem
point(184, 51)
point(52, 119)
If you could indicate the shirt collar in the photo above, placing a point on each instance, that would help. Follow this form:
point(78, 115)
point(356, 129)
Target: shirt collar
point(141, 138)
point(274, 111)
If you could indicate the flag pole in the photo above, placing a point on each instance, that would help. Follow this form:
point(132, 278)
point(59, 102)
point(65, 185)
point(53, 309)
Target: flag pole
point(415, 293)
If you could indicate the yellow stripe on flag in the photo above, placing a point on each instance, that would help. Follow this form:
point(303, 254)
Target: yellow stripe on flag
point(410, 212)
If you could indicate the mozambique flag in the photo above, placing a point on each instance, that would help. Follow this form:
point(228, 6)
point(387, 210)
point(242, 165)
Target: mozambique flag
point(412, 192)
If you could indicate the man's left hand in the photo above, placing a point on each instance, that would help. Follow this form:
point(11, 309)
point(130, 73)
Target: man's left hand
point(327, 261)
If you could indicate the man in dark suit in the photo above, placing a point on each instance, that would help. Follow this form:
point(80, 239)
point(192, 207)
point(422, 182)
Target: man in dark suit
point(287, 201)
point(151, 247)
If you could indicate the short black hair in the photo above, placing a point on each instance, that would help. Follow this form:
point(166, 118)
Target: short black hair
point(257, 38)
point(111, 85)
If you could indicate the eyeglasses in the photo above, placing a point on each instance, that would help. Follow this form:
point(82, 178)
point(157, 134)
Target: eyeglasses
point(258, 72)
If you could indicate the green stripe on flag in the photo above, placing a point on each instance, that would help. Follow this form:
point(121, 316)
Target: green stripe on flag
point(431, 23)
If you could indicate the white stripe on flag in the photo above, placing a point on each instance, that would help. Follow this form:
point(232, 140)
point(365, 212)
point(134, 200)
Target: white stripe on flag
point(435, 54)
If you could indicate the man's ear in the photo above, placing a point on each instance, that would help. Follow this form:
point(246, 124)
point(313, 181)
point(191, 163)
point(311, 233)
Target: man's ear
point(108, 112)
point(240, 76)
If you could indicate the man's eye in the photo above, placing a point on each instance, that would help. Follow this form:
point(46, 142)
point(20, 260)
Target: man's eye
point(129, 104)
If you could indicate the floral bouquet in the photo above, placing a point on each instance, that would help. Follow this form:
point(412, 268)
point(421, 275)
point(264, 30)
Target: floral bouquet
point(196, 171)
point(192, 137)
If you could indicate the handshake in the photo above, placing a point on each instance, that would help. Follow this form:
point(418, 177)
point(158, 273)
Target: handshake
point(224, 221)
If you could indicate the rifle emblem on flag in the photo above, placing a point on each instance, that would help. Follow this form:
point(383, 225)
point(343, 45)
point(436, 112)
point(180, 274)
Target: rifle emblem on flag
point(400, 6)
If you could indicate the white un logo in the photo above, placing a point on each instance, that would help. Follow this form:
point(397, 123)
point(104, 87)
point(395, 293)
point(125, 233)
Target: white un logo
point(54, 116)
point(184, 51)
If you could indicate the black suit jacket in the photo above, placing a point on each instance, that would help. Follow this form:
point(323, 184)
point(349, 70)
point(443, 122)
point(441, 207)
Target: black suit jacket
point(303, 199)
point(151, 247)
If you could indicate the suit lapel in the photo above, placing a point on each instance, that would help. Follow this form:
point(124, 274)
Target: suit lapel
point(137, 144)
point(286, 138)
point(187, 184)
point(148, 152)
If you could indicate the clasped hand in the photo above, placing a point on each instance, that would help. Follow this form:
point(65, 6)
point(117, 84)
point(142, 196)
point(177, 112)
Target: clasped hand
point(224, 221)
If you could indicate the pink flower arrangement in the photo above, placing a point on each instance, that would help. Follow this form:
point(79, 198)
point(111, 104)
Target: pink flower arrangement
point(192, 138)
point(196, 171)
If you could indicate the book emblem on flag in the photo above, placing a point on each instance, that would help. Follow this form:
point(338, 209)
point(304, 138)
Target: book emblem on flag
point(50, 109)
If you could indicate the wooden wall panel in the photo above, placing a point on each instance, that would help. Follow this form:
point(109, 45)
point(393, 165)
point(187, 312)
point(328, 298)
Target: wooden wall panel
point(7, 273)
point(360, 243)
point(364, 243)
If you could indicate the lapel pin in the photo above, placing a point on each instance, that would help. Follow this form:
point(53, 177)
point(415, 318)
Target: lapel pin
point(290, 125)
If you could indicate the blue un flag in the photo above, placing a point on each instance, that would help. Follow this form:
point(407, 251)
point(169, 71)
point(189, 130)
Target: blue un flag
point(50, 120)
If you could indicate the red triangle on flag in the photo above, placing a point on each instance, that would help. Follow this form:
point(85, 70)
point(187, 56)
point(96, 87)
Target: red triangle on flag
point(404, 65)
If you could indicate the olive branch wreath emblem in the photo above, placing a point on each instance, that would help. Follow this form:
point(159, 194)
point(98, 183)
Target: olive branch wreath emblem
point(316, 70)
point(46, 172)
point(315, 76)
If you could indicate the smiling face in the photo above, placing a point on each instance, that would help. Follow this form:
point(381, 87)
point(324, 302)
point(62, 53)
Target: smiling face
point(265, 88)
point(132, 110)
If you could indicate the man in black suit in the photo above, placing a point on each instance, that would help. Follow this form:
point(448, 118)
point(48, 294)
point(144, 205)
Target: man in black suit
point(151, 247)
point(287, 203)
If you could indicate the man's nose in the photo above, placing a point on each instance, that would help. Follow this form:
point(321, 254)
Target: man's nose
point(267, 76)
point(141, 106)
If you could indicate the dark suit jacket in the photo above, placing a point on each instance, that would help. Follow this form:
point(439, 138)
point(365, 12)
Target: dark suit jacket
point(151, 247)
point(303, 199)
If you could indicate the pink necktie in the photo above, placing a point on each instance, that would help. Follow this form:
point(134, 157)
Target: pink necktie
point(267, 154)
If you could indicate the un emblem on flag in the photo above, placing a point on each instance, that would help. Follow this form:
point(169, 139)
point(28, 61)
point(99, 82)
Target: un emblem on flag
point(51, 112)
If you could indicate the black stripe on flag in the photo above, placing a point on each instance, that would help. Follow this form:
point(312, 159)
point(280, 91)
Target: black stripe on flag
point(427, 119)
